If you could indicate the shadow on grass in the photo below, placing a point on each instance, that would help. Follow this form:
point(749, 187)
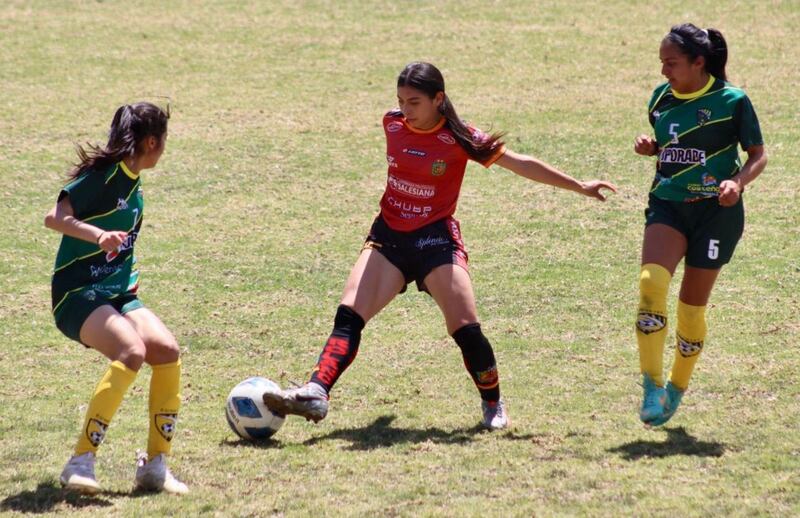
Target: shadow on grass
point(264, 444)
point(47, 495)
point(381, 434)
point(678, 442)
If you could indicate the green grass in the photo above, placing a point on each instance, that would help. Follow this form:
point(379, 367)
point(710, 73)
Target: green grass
point(256, 212)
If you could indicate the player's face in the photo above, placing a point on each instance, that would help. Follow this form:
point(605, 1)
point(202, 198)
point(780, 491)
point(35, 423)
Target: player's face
point(153, 149)
point(683, 74)
point(421, 111)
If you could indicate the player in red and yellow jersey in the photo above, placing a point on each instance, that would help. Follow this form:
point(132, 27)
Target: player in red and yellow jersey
point(415, 238)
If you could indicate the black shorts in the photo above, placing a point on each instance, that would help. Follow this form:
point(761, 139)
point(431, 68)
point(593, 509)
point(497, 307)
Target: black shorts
point(418, 252)
point(712, 231)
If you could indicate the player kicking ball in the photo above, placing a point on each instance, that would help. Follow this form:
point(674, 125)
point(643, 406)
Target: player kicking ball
point(415, 238)
point(94, 291)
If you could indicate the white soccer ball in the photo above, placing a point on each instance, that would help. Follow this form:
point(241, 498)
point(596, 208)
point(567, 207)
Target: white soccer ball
point(247, 414)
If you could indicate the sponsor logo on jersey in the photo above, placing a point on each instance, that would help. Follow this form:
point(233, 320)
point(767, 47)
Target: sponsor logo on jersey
point(650, 322)
point(703, 116)
point(424, 242)
point(688, 348)
point(671, 155)
point(394, 126)
point(166, 423)
point(446, 138)
point(121, 204)
point(708, 180)
point(104, 270)
point(414, 190)
point(415, 152)
point(126, 245)
point(96, 431)
point(409, 210)
point(391, 161)
point(438, 168)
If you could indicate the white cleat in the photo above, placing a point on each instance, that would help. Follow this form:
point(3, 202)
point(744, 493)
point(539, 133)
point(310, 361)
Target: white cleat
point(495, 416)
point(153, 475)
point(78, 474)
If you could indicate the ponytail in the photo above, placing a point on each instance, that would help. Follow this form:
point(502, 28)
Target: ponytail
point(132, 123)
point(718, 54)
point(429, 80)
point(695, 42)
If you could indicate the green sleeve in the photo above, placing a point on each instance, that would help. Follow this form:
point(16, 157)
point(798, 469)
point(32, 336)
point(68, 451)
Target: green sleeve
point(747, 127)
point(84, 192)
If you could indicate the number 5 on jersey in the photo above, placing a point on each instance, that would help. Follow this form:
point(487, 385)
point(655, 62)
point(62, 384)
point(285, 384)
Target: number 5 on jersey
point(673, 130)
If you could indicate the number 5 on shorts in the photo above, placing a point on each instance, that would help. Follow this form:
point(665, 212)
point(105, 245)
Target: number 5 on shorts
point(713, 248)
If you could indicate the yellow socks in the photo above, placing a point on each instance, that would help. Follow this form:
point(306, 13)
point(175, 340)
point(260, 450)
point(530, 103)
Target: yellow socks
point(690, 336)
point(104, 404)
point(651, 323)
point(164, 402)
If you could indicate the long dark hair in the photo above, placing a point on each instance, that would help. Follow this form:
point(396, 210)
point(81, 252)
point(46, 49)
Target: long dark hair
point(427, 79)
point(132, 124)
point(708, 43)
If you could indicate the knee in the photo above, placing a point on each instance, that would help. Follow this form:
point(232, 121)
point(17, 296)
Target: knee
point(133, 354)
point(470, 336)
point(653, 283)
point(163, 350)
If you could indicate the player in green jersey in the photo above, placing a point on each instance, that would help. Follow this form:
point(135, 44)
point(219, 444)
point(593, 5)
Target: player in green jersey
point(695, 209)
point(94, 289)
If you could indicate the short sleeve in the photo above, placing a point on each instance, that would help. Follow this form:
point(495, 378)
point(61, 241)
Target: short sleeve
point(745, 119)
point(84, 192)
point(480, 136)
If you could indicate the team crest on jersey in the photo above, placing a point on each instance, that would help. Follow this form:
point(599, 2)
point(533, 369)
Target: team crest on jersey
point(96, 431)
point(687, 348)
point(166, 423)
point(703, 116)
point(656, 115)
point(121, 204)
point(438, 168)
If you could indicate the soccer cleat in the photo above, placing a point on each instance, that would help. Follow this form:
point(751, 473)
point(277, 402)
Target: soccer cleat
point(78, 474)
point(495, 416)
point(153, 475)
point(309, 400)
point(674, 396)
point(655, 398)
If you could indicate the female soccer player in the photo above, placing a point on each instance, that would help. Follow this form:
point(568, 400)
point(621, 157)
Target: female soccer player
point(94, 290)
point(415, 238)
point(695, 209)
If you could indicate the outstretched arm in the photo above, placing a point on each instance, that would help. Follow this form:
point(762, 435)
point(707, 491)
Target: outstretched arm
point(538, 171)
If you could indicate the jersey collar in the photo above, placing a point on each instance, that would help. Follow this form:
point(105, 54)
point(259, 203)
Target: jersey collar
point(696, 94)
point(128, 172)
point(425, 132)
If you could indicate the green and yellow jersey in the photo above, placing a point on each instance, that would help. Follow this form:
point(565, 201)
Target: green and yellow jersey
point(111, 200)
point(697, 137)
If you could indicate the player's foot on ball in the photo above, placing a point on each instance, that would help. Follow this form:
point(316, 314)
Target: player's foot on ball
point(653, 402)
point(78, 474)
point(674, 396)
point(153, 475)
point(309, 401)
point(495, 416)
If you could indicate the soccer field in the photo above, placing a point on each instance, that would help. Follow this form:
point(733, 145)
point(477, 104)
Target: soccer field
point(272, 175)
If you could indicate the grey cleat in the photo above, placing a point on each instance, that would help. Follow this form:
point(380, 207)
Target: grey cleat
point(309, 400)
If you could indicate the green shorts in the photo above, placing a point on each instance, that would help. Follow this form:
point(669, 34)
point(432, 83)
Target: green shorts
point(712, 231)
point(79, 305)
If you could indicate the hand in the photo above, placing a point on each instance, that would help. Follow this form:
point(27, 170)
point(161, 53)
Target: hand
point(592, 188)
point(645, 145)
point(111, 239)
point(729, 192)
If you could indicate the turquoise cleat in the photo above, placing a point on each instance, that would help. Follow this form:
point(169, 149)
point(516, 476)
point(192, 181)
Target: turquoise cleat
point(674, 396)
point(655, 398)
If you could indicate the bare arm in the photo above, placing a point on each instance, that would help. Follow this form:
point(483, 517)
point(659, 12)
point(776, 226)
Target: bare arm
point(730, 190)
point(538, 171)
point(61, 219)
